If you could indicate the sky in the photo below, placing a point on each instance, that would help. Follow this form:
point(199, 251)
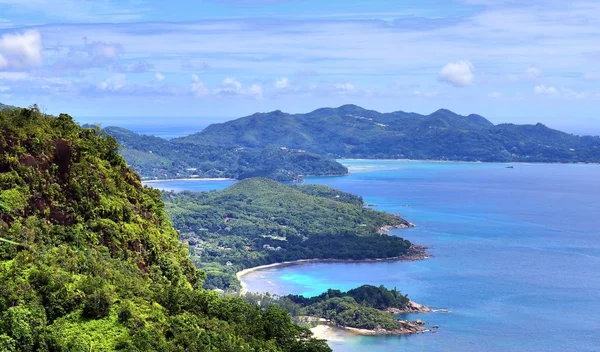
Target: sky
point(204, 61)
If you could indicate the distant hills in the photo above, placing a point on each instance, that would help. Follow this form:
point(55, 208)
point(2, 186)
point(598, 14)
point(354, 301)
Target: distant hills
point(157, 158)
point(353, 132)
point(4, 107)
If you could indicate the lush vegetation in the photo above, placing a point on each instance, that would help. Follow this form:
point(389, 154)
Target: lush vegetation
point(358, 308)
point(369, 296)
point(89, 260)
point(259, 221)
point(345, 311)
point(158, 158)
point(350, 131)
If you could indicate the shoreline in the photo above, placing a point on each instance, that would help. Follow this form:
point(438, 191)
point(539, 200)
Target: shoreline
point(325, 329)
point(414, 253)
point(191, 179)
point(473, 162)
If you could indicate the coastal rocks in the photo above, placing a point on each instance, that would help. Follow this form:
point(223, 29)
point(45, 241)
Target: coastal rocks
point(403, 225)
point(412, 307)
point(406, 328)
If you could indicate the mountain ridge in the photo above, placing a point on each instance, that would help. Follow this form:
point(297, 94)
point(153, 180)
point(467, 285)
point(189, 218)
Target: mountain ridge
point(158, 158)
point(351, 131)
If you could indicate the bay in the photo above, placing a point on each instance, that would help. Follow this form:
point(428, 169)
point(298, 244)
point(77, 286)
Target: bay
point(515, 254)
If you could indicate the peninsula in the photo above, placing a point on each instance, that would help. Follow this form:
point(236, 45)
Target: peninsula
point(260, 222)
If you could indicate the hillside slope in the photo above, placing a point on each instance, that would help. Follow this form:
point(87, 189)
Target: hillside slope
point(259, 221)
point(89, 261)
point(158, 158)
point(353, 132)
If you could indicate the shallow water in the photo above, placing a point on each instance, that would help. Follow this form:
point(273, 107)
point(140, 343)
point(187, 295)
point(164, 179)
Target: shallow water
point(515, 254)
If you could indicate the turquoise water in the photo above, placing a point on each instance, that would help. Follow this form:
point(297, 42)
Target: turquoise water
point(515, 255)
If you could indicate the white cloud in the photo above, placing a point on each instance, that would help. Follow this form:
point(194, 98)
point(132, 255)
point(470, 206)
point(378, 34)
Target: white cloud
point(458, 74)
point(256, 91)
point(545, 90)
point(344, 87)
point(198, 87)
point(426, 94)
point(533, 72)
point(21, 50)
point(113, 83)
point(231, 87)
point(530, 73)
point(232, 84)
point(99, 50)
point(282, 83)
point(159, 76)
point(573, 94)
point(496, 96)
point(4, 89)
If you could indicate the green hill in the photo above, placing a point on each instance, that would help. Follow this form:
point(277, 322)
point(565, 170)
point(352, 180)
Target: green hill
point(259, 221)
point(158, 158)
point(353, 132)
point(89, 260)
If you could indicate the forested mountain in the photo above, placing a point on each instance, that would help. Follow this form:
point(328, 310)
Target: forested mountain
point(89, 260)
point(353, 132)
point(4, 107)
point(159, 158)
point(259, 221)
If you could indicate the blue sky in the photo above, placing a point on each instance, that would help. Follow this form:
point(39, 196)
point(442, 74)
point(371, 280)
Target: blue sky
point(202, 61)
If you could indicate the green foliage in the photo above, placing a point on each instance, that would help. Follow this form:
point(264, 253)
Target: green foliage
point(89, 259)
point(345, 311)
point(360, 308)
point(260, 221)
point(353, 132)
point(13, 200)
point(155, 157)
point(366, 295)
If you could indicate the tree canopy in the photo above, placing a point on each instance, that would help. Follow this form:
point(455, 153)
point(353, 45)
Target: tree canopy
point(89, 260)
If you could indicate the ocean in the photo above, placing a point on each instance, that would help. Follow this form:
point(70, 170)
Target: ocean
point(515, 254)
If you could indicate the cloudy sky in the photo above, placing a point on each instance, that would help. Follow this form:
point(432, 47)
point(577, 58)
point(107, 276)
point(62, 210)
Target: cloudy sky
point(212, 59)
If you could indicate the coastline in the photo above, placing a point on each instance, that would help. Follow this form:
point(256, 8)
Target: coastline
point(340, 160)
point(191, 179)
point(326, 329)
point(415, 252)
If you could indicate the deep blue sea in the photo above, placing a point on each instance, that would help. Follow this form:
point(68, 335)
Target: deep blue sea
point(515, 254)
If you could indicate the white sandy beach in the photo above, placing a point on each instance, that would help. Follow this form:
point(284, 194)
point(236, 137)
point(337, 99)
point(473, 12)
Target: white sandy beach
point(327, 332)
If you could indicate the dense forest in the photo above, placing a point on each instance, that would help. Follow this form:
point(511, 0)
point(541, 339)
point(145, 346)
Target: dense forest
point(259, 221)
point(353, 132)
point(89, 260)
point(157, 158)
